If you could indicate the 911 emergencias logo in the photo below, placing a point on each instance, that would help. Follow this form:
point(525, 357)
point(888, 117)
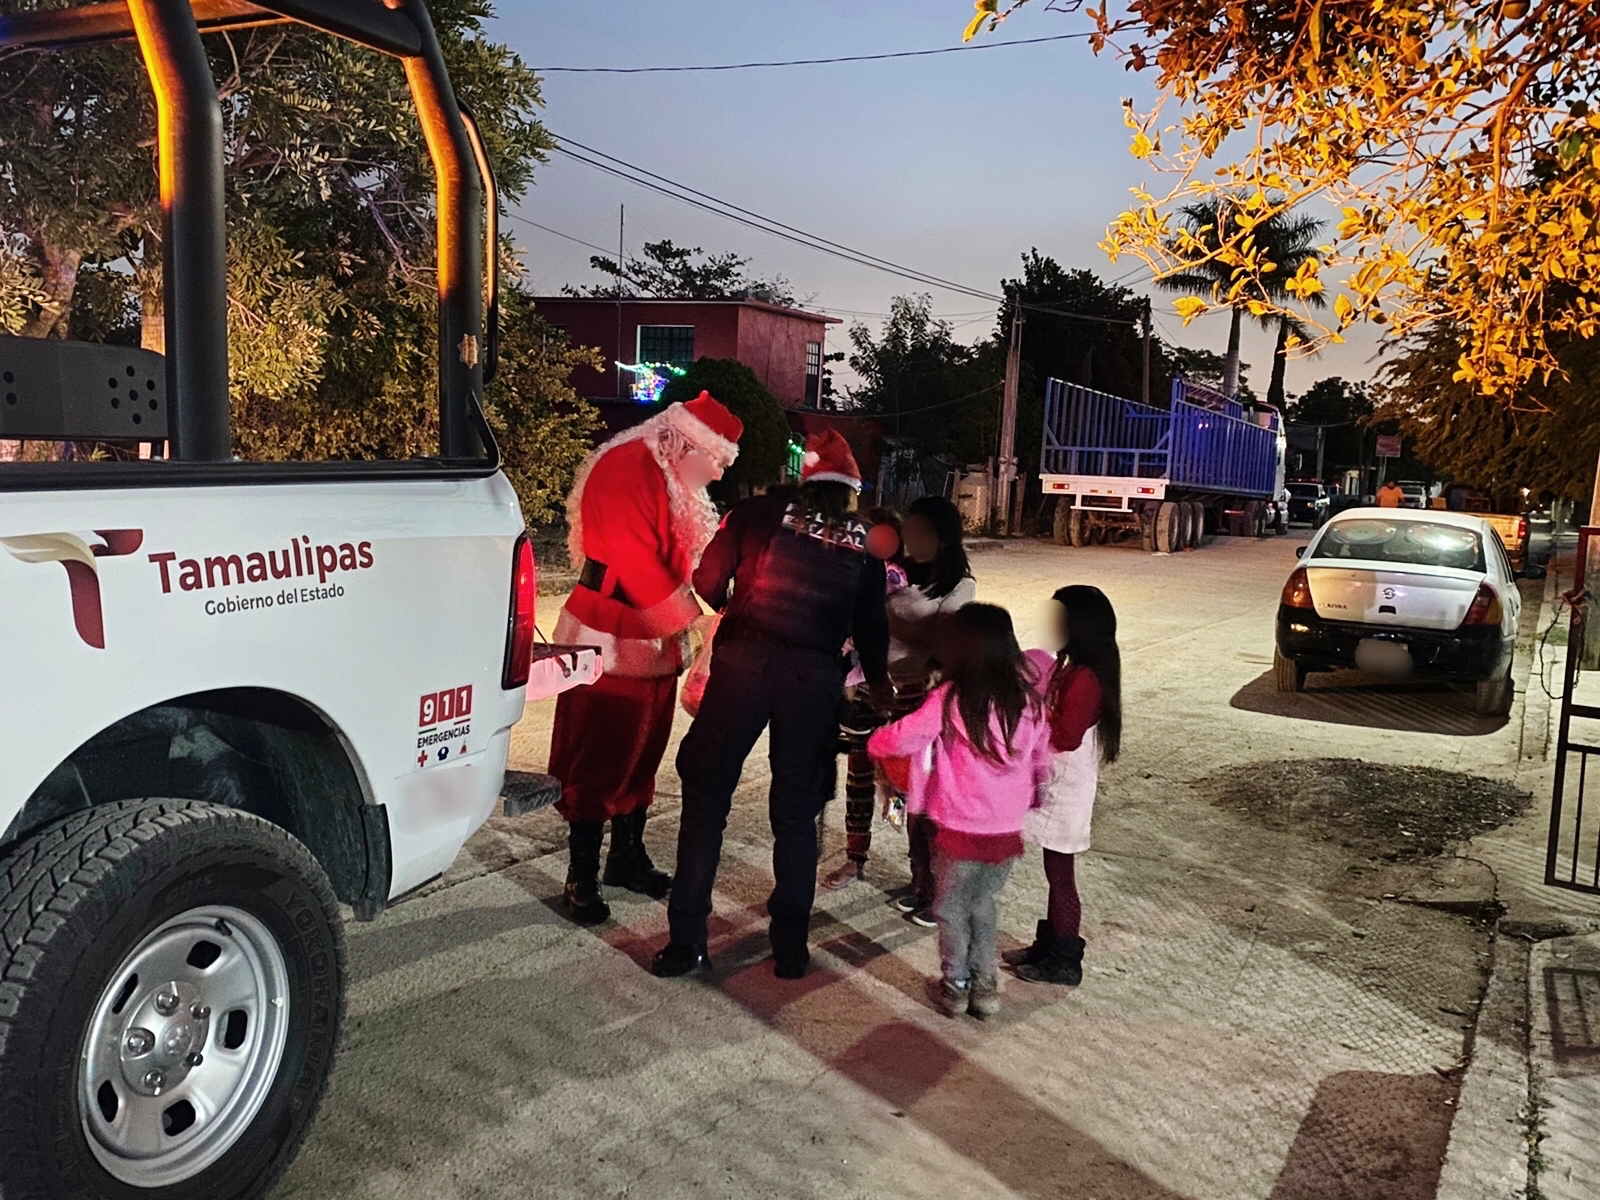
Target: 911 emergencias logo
point(445, 720)
point(78, 554)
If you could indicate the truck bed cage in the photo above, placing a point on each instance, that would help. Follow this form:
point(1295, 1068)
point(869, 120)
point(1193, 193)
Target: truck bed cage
point(194, 280)
point(1205, 442)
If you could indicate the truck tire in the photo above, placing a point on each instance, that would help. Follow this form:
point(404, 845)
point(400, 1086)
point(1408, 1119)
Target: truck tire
point(1078, 530)
point(1287, 674)
point(1147, 530)
point(1169, 527)
point(1063, 516)
point(1258, 518)
point(1494, 696)
point(1194, 525)
point(152, 951)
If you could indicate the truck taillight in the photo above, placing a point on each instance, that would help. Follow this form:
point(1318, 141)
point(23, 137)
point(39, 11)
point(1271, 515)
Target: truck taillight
point(1522, 529)
point(1485, 608)
point(519, 635)
point(1297, 592)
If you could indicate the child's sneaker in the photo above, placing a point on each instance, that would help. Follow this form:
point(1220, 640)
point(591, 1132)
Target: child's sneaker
point(843, 877)
point(907, 903)
point(923, 917)
point(954, 996)
point(985, 1000)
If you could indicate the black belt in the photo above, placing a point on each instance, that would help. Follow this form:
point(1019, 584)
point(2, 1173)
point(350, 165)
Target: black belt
point(593, 574)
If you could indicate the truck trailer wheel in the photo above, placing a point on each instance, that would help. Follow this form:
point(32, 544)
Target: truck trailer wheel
point(1287, 674)
point(171, 991)
point(1169, 527)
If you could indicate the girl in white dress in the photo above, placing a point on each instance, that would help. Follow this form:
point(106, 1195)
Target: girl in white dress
point(1082, 688)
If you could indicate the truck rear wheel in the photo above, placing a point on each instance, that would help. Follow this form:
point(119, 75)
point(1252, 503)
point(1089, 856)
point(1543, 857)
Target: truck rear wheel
point(1169, 527)
point(1194, 525)
point(1078, 528)
point(173, 987)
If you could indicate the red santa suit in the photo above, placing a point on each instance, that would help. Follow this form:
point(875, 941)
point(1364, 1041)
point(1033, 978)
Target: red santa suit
point(636, 537)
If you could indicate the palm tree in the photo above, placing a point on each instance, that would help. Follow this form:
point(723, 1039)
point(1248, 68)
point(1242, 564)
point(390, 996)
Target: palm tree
point(1286, 238)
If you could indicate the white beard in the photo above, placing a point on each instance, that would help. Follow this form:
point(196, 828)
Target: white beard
point(694, 517)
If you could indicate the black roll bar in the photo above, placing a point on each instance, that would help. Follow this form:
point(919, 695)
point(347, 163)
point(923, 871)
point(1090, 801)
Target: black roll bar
point(194, 218)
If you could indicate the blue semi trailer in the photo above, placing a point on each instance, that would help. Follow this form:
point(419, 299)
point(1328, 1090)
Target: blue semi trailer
point(1122, 469)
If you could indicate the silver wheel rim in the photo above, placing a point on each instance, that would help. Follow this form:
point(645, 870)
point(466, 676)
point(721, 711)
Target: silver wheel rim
point(183, 1046)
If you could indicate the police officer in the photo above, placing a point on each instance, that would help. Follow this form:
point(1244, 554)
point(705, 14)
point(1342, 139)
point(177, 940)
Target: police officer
point(802, 582)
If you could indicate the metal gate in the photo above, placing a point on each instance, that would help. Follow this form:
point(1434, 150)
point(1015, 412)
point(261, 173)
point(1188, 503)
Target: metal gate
point(1572, 857)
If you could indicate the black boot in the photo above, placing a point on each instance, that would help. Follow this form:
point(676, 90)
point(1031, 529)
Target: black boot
point(585, 904)
point(1063, 963)
point(628, 864)
point(1042, 937)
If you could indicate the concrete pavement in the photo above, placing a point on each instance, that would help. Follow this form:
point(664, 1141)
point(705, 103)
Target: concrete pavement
point(1267, 1012)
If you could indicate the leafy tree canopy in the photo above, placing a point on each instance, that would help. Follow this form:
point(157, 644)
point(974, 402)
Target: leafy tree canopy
point(668, 271)
point(332, 303)
point(764, 445)
point(927, 387)
point(1548, 447)
point(1461, 139)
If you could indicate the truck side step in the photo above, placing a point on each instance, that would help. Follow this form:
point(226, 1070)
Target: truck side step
point(527, 791)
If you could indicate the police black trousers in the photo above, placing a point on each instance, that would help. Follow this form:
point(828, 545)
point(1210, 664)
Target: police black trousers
point(755, 684)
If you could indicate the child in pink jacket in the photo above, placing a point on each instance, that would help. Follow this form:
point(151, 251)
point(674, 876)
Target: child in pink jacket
point(979, 748)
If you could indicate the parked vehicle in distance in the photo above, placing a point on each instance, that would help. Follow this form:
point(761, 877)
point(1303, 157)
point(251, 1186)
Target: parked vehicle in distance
point(1205, 464)
point(1511, 526)
point(1346, 501)
point(1413, 494)
point(1308, 503)
point(1430, 595)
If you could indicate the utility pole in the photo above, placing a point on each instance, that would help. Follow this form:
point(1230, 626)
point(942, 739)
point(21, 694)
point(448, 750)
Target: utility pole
point(1008, 426)
point(622, 224)
point(1144, 393)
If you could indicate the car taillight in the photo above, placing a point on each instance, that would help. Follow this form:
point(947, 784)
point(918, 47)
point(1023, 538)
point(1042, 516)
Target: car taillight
point(1297, 592)
point(519, 634)
point(1485, 608)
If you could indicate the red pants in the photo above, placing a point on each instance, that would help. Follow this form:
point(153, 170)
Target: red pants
point(608, 741)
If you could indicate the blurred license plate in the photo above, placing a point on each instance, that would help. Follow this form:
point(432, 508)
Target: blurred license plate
point(1383, 657)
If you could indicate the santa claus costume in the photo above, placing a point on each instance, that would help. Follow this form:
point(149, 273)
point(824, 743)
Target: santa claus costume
point(639, 518)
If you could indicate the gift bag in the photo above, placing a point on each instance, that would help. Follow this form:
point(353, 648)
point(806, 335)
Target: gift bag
point(694, 680)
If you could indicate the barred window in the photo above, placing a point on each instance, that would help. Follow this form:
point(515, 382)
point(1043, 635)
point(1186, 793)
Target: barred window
point(813, 372)
point(666, 344)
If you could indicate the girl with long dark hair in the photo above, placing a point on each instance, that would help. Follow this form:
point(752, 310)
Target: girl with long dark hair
point(978, 751)
point(1082, 689)
point(941, 582)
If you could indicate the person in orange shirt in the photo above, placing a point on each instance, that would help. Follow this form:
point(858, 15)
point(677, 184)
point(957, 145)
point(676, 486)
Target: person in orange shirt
point(639, 518)
point(1390, 495)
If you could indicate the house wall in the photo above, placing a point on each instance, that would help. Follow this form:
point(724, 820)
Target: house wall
point(773, 345)
point(716, 335)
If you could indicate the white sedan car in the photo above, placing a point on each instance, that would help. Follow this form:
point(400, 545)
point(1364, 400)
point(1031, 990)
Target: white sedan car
point(1403, 593)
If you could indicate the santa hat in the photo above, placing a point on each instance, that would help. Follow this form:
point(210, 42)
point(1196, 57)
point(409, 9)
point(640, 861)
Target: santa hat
point(708, 425)
point(828, 460)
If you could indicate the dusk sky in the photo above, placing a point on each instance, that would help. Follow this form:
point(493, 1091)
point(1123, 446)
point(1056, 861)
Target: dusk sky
point(954, 164)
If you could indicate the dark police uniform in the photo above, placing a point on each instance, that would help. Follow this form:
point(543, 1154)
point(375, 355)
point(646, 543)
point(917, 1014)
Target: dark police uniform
point(800, 587)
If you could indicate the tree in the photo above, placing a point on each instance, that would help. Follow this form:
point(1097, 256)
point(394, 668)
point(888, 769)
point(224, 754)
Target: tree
point(1286, 239)
point(925, 386)
point(668, 271)
point(330, 191)
point(764, 445)
point(1548, 446)
point(1076, 326)
point(1342, 410)
point(1460, 137)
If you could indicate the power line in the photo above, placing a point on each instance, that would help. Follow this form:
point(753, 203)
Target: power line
point(811, 62)
point(557, 233)
point(685, 194)
point(755, 220)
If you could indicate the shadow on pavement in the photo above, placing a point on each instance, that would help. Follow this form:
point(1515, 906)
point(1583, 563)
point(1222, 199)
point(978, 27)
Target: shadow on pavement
point(1370, 1136)
point(1350, 698)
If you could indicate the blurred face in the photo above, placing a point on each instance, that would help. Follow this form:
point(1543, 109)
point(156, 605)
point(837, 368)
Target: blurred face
point(1060, 625)
point(697, 468)
point(921, 542)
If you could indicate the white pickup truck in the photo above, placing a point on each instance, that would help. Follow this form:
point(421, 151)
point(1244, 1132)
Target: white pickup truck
point(232, 695)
